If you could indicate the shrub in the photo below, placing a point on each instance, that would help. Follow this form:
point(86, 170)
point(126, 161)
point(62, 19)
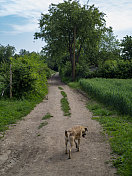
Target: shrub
point(115, 69)
point(29, 76)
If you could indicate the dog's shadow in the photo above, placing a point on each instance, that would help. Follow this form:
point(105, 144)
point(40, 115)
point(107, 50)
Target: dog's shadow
point(60, 156)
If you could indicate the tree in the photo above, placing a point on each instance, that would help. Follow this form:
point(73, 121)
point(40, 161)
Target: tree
point(68, 28)
point(23, 52)
point(6, 52)
point(5, 66)
point(109, 47)
point(126, 45)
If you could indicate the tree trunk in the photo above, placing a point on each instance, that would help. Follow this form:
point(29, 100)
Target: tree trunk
point(73, 66)
point(10, 80)
point(78, 54)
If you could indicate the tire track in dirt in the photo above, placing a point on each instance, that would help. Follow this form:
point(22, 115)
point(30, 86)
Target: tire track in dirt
point(25, 150)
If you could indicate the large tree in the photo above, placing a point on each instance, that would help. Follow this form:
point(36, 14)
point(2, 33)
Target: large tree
point(109, 47)
point(6, 52)
point(68, 28)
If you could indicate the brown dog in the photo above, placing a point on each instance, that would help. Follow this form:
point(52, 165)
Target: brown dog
point(74, 134)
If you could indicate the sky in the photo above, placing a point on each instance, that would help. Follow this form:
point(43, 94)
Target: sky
point(19, 20)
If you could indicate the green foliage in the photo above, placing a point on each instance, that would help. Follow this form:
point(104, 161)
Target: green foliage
point(6, 52)
point(113, 92)
point(1, 84)
point(126, 45)
point(68, 22)
point(108, 47)
point(74, 85)
point(29, 76)
point(82, 70)
point(65, 71)
point(47, 116)
point(60, 88)
point(4, 80)
point(115, 69)
point(65, 104)
point(63, 94)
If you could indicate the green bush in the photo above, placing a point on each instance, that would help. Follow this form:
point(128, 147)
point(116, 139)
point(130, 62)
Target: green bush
point(65, 71)
point(2, 85)
point(115, 69)
point(29, 76)
point(82, 70)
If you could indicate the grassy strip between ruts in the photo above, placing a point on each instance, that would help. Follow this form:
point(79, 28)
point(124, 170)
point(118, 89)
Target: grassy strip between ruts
point(64, 103)
point(47, 116)
point(13, 110)
point(119, 130)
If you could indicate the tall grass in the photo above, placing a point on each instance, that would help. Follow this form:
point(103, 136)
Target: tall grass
point(116, 93)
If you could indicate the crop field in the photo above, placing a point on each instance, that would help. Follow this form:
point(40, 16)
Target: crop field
point(116, 93)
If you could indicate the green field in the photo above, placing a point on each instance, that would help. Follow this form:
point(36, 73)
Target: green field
point(116, 93)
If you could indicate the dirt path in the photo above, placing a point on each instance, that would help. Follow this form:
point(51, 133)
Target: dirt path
point(28, 151)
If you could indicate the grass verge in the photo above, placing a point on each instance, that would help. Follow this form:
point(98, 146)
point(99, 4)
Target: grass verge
point(119, 130)
point(13, 110)
point(64, 103)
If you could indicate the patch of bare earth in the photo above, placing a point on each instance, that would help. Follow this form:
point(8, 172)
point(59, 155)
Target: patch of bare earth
point(28, 151)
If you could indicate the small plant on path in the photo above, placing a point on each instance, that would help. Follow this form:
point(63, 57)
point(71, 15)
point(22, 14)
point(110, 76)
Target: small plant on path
point(43, 124)
point(47, 116)
point(60, 88)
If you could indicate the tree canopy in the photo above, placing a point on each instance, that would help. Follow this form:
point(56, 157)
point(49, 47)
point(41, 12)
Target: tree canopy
point(126, 45)
point(68, 28)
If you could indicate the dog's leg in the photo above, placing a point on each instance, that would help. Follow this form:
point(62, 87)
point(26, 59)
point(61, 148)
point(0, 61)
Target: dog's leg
point(78, 149)
point(66, 142)
point(70, 151)
point(71, 145)
point(76, 144)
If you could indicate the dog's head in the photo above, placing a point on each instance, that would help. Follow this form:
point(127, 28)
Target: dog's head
point(84, 132)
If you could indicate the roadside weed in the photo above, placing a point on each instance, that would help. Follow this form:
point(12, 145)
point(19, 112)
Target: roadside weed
point(47, 116)
point(43, 124)
point(60, 88)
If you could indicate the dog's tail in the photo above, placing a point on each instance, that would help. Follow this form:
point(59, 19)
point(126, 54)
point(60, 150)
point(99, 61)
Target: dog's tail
point(66, 134)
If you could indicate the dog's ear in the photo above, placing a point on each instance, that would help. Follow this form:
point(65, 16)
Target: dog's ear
point(86, 129)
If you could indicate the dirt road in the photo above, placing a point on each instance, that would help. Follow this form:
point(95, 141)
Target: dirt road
point(28, 151)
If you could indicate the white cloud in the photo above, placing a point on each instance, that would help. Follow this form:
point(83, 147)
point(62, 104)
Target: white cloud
point(118, 13)
point(29, 9)
point(25, 8)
